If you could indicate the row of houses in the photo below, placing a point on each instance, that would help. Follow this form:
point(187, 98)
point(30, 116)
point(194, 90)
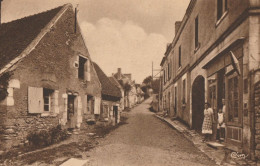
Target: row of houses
point(47, 78)
point(213, 56)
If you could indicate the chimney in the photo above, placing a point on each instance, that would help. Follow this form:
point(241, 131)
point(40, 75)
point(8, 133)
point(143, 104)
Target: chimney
point(0, 11)
point(177, 26)
point(119, 71)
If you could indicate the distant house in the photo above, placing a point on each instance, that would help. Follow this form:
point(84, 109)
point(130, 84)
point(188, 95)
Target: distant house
point(139, 93)
point(111, 96)
point(115, 82)
point(46, 75)
point(130, 94)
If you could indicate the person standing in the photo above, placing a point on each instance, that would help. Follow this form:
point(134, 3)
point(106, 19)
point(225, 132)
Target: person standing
point(207, 122)
point(221, 122)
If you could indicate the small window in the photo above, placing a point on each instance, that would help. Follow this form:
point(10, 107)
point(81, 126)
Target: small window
point(81, 68)
point(196, 32)
point(221, 8)
point(180, 56)
point(164, 76)
point(169, 70)
point(47, 93)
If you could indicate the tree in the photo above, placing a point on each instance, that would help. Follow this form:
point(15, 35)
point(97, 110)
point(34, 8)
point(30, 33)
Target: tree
point(149, 83)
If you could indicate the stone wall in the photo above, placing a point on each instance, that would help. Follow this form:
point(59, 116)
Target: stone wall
point(257, 118)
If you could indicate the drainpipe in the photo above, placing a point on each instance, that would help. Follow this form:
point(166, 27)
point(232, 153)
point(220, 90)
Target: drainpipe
point(252, 114)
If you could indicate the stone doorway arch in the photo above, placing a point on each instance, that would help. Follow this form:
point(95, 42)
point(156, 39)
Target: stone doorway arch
point(198, 99)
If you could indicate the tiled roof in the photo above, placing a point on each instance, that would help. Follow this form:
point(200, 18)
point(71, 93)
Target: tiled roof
point(115, 82)
point(15, 36)
point(108, 88)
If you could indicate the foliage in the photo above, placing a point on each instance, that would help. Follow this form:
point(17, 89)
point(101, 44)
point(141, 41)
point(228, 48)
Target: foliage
point(148, 83)
point(147, 80)
point(4, 81)
point(47, 137)
point(126, 86)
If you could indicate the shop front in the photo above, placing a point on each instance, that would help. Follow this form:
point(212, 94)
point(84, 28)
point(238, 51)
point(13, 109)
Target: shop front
point(225, 91)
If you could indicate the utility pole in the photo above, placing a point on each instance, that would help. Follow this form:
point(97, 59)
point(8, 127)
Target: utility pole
point(152, 70)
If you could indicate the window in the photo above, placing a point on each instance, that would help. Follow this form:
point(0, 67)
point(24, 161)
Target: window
point(233, 99)
point(196, 32)
point(42, 100)
point(81, 69)
point(175, 98)
point(184, 91)
point(180, 56)
point(105, 111)
point(221, 8)
point(164, 76)
point(169, 70)
point(47, 93)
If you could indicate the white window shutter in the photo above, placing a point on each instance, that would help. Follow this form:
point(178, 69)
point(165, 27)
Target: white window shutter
point(77, 69)
point(79, 111)
point(35, 100)
point(88, 70)
point(56, 102)
point(97, 105)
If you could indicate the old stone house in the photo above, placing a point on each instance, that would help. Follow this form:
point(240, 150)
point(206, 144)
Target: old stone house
point(110, 99)
point(117, 84)
point(213, 56)
point(46, 75)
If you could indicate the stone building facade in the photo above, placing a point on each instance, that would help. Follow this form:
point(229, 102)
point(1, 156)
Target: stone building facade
point(46, 75)
point(110, 98)
point(212, 57)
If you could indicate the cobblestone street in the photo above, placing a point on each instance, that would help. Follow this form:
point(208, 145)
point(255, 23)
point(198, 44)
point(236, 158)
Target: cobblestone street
point(145, 140)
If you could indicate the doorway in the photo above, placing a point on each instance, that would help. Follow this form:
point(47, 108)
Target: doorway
point(198, 99)
point(115, 112)
point(71, 111)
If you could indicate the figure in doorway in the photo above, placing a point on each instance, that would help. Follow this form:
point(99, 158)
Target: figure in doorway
point(207, 122)
point(221, 122)
point(71, 116)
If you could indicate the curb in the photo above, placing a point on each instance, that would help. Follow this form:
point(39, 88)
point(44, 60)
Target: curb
point(188, 136)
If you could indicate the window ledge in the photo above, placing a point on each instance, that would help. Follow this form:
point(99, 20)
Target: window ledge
point(48, 114)
point(221, 18)
point(197, 48)
point(179, 68)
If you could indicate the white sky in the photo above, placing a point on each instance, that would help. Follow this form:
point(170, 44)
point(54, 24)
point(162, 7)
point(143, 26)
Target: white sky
point(119, 33)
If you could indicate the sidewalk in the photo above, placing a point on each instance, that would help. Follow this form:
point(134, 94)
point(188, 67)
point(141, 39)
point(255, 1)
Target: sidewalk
point(215, 151)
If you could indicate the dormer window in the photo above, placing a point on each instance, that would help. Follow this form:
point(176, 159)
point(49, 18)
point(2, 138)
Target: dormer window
point(81, 68)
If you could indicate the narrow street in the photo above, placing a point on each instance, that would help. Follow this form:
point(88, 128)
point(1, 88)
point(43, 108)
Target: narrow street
point(145, 140)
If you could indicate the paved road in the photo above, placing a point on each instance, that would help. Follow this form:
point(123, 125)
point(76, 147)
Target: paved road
point(146, 140)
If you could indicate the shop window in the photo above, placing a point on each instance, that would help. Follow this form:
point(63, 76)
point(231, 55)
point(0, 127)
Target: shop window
point(221, 8)
point(233, 99)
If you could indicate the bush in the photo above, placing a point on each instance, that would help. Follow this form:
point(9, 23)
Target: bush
point(47, 137)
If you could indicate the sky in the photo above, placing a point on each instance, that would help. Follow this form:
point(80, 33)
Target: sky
point(126, 34)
